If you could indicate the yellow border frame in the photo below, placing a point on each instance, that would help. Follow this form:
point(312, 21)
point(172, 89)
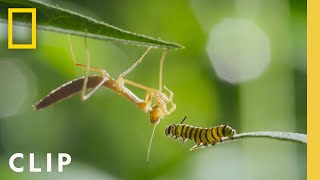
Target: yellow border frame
point(33, 44)
point(313, 92)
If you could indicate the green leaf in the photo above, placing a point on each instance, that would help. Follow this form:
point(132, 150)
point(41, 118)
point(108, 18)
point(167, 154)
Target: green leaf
point(54, 18)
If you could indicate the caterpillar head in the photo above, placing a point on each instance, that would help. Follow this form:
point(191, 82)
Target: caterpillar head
point(169, 129)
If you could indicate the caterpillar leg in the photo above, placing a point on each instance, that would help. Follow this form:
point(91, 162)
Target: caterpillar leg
point(185, 140)
point(195, 147)
point(205, 144)
point(201, 146)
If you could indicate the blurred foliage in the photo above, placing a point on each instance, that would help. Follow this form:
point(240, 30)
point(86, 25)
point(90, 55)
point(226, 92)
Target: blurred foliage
point(107, 136)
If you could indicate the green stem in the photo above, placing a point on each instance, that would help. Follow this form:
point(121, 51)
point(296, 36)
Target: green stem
point(287, 136)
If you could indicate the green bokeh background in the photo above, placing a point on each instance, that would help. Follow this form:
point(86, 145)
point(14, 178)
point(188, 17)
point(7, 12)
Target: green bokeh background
point(107, 136)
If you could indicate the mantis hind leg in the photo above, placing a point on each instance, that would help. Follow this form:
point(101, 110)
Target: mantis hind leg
point(121, 80)
point(87, 66)
point(104, 73)
point(161, 69)
point(126, 72)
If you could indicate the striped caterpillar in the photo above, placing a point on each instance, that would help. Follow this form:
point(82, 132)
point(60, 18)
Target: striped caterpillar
point(201, 136)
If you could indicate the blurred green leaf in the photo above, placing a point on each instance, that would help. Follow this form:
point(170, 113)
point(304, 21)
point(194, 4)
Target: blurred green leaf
point(54, 18)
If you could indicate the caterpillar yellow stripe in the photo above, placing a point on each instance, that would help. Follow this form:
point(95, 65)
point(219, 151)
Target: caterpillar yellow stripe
point(201, 136)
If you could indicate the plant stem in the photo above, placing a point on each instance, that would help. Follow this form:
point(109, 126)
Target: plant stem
point(287, 136)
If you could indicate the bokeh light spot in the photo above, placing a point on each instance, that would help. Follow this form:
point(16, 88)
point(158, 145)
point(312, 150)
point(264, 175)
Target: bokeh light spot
point(238, 50)
point(14, 88)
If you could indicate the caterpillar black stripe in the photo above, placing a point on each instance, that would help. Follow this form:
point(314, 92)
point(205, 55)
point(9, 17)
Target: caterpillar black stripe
point(201, 136)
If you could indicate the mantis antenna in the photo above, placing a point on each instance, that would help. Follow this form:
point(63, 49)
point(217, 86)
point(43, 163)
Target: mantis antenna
point(150, 143)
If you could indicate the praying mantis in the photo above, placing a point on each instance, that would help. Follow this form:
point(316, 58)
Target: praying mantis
point(157, 110)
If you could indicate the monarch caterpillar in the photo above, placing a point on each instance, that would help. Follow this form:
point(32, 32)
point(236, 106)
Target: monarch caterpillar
point(201, 136)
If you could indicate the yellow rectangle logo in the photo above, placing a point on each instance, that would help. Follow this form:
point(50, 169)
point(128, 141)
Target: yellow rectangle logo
point(33, 44)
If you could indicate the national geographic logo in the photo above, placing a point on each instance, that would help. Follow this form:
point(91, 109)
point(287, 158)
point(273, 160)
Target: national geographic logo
point(33, 44)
